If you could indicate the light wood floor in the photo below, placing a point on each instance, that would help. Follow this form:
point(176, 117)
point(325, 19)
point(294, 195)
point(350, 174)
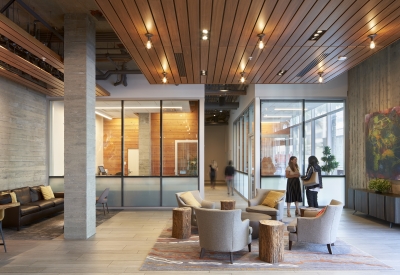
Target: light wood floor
point(122, 243)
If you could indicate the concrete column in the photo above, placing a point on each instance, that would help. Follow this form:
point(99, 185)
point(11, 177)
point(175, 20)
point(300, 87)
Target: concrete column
point(144, 145)
point(79, 126)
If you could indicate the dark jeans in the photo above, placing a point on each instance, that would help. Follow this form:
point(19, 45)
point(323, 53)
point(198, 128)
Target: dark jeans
point(312, 198)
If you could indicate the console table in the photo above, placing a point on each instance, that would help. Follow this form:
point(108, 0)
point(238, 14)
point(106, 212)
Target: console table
point(382, 206)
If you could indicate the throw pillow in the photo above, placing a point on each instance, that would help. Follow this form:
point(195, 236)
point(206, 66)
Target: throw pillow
point(321, 212)
point(47, 192)
point(272, 198)
point(189, 199)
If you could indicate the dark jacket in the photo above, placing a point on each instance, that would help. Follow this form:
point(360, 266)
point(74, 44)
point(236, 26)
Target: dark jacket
point(229, 170)
point(310, 172)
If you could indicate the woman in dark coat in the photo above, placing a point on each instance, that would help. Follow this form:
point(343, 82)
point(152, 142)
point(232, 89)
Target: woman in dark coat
point(312, 191)
point(293, 190)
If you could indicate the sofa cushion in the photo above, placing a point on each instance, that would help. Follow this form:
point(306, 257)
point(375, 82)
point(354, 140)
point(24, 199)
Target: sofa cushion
point(23, 195)
point(189, 199)
point(272, 198)
point(263, 210)
point(36, 193)
point(43, 204)
point(47, 192)
point(5, 198)
point(57, 201)
point(29, 209)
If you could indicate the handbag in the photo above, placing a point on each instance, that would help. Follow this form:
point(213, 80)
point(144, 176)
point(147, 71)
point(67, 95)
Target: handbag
point(313, 180)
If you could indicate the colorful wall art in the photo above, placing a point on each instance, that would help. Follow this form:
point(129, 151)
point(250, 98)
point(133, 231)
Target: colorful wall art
point(383, 144)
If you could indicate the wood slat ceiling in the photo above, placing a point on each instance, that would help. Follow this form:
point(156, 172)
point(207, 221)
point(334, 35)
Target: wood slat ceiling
point(55, 87)
point(233, 45)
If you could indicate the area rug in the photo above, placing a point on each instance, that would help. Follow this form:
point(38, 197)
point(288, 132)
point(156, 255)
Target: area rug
point(170, 254)
point(49, 228)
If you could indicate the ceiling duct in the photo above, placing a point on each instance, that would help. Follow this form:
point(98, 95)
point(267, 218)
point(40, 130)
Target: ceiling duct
point(312, 64)
point(216, 106)
point(180, 63)
point(221, 101)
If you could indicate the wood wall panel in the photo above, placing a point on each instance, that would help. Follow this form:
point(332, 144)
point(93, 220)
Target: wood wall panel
point(372, 86)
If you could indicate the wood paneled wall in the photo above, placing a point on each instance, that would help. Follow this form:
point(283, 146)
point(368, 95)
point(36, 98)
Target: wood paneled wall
point(23, 136)
point(374, 85)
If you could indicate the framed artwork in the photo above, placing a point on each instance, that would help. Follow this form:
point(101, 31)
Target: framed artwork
point(382, 144)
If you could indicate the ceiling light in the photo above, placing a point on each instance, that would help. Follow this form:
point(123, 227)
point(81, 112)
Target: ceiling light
point(220, 111)
point(281, 72)
point(320, 79)
point(44, 58)
point(203, 72)
point(341, 58)
point(242, 79)
point(316, 35)
point(275, 122)
point(103, 115)
point(260, 43)
point(204, 35)
point(372, 44)
point(148, 44)
point(164, 79)
point(138, 107)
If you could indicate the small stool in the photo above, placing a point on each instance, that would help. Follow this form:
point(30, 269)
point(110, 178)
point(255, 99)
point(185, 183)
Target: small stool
point(228, 204)
point(304, 209)
point(271, 241)
point(181, 222)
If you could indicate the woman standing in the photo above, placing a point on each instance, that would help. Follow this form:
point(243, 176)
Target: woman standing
point(312, 191)
point(293, 190)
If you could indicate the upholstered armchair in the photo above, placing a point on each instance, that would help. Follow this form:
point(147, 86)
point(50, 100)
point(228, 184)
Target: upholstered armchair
point(198, 203)
point(222, 231)
point(255, 205)
point(320, 230)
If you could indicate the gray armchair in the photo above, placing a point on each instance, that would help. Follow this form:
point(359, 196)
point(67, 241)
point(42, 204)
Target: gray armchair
point(196, 195)
point(256, 206)
point(320, 230)
point(222, 231)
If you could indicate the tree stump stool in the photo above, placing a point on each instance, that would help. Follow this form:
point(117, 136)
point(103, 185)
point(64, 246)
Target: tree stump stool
point(181, 222)
point(271, 241)
point(304, 209)
point(228, 204)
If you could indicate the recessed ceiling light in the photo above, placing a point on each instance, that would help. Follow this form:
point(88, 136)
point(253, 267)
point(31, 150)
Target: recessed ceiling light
point(316, 35)
point(204, 35)
point(341, 58)
point(203, 72)
point(281, 72)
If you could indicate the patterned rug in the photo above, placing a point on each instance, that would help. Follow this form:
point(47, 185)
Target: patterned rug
point(170, 254)
point(49, 228)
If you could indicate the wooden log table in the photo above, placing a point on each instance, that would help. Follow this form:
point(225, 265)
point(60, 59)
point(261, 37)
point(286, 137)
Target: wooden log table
point(271, 241)
point(228, 204)
point(304, 209)
point(181, 222)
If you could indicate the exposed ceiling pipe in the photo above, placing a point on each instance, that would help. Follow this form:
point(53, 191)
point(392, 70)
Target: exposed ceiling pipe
point(216, 106)
point(107, 74)
point(117, 55)
point(7, 6)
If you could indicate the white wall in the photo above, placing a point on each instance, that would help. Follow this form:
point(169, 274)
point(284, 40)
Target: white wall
point(215, 148)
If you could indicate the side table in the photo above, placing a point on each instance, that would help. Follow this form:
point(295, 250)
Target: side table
point(228, 204)
point(181, 222)
point(271, 241)
point(2, 208)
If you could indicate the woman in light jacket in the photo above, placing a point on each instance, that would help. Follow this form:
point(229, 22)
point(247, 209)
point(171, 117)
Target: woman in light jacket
point(312, 191)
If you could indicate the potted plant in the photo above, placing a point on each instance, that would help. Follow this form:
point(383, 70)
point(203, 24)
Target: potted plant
point(380, 185)
point(330, 161)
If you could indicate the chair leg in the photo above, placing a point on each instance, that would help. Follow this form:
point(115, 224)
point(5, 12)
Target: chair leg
point(107, 208)
point(104, 210)
point(202, 252)
point(290, 245)
point(329, 248)
point(231, 257)
point(249, 245)
point(2, 236)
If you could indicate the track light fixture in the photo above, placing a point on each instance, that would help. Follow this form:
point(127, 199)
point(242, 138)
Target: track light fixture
point(242, 79)
point(372, 44)
point(164, 79)
point(260, 43)
point(320, 79)
point(148, 44)
point(204, 34)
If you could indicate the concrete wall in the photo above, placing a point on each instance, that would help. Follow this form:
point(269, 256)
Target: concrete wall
point(23, 136)
point(215, 148)
point(374, 85)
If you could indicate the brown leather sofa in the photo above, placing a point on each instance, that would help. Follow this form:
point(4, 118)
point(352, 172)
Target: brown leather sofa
point(32, 207)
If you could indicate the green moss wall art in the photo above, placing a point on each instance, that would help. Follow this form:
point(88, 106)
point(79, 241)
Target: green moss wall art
point(383, 144)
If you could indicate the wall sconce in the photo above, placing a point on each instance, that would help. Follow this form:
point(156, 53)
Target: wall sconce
point(242, 79)
point(148, 44)
point(320, 79)
point(164, 79)
point(260, 43)
point(372, 44)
